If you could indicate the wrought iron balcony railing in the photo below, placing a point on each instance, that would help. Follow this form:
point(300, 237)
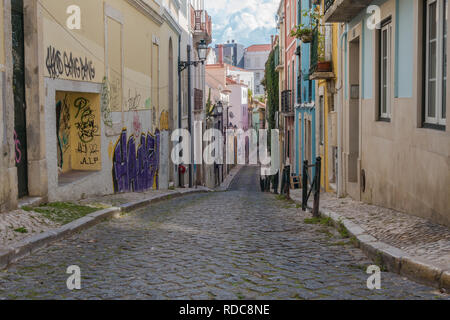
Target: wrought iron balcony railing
point(201, 21)
point(287, 105)
point(328, 4)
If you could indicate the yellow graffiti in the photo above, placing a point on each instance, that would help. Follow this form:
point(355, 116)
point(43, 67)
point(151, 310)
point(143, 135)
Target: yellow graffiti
point(110, 150)
point(164, 121)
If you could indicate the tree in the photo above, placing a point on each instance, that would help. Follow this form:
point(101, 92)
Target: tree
point(271, 86)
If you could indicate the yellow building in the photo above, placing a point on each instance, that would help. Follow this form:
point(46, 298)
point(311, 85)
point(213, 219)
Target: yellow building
point(94, 88)
point(326, 127)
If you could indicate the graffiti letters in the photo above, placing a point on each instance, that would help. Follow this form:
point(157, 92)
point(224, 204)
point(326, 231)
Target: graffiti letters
point(87, 129)
point(17, 148)
point(136, 168)
point(62, 129)
point(105, 104)
point(60, 64)
point(133, 102)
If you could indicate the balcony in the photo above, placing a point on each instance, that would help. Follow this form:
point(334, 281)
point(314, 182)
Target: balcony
point(278, 57)
point(201, 25)
point(320, 69)
point(198, 100)
point(287, 103)
point(344, 10)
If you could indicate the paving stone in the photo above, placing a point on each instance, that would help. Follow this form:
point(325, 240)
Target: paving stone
point(227, 245)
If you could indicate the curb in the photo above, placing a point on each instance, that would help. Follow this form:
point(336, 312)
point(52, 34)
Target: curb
point(28, 246)
point(394, 259)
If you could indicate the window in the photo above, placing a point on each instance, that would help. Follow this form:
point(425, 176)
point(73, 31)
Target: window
point(436, 13)
point(385, 57)
point(292, 14)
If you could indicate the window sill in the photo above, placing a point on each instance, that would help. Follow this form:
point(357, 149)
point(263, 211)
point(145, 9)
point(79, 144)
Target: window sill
point(388, 120)
point(439, 127)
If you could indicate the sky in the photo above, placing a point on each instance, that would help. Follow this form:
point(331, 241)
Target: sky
point(245, 21)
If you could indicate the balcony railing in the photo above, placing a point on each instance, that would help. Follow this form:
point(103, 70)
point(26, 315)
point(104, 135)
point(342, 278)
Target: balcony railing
point(201, 21)
point(328, 4)
point(319, 69)
point(287, 104)
point(198, 100)
point(314, 51)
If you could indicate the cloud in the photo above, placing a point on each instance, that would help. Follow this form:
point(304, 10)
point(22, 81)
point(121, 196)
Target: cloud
point(245, 21)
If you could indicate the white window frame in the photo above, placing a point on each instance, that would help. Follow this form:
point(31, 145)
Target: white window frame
point(388, 29)
point(440, 38)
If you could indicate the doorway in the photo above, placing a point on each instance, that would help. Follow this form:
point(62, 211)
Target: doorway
point(353, 116)
point(171, 108)
point(20, 128)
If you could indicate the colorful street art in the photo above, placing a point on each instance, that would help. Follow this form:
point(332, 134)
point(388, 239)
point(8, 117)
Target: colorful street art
point(136, 169)
point(78, 131)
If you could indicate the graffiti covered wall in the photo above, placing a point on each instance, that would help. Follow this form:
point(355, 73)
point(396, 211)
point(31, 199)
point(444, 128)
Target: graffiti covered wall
point(136, 167)
point(78, 131)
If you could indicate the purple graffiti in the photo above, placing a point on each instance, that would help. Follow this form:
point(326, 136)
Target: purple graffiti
point(136, 169)
point(17, 146)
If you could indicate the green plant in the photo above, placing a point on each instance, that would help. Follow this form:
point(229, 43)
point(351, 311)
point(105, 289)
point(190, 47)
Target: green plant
point(271, 86)
point(64, 212)
point(314, 18)
point(209, 106)
point(343, 230)
point(21, 230)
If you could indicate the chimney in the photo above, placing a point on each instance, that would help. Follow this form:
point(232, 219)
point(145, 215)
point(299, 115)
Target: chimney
point(220, 53)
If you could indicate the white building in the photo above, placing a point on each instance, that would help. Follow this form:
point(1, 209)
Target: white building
point(255, 60)
point(240, 75)
point(238, 110)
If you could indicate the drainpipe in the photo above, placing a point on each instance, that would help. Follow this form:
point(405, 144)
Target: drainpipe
point(341, 96)
point(179, 97)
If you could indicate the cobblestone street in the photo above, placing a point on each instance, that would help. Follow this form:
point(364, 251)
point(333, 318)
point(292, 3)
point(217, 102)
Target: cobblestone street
point(239, 244)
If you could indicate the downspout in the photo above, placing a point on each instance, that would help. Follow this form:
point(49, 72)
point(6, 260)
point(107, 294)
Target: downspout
point(340, 184)
point(179, 101)
point(179, 83)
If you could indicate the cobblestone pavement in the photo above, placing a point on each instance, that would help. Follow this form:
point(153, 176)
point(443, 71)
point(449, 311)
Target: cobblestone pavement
point(418, 237)
point(240, 244)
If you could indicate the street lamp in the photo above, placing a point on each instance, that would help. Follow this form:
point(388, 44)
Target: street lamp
point(202, 50)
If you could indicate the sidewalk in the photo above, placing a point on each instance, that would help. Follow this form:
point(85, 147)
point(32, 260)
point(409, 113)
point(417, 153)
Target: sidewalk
point(409, 245)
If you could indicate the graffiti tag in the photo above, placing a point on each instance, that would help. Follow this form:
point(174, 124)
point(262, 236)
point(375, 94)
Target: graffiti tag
point(17, 148)
point(87, 129)
point(60, 64)
point(134, 101)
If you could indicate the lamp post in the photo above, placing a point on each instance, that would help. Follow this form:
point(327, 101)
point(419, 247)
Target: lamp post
point(217, 124)
point(202, 49)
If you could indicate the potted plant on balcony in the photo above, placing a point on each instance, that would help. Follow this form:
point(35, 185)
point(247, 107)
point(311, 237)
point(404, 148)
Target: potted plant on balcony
point(323, 65)
point(305, 32)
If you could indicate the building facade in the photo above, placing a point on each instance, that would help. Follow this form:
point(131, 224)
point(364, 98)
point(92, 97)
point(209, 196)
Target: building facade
point(255, 61)
point(95, 94)
point(394, 137)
